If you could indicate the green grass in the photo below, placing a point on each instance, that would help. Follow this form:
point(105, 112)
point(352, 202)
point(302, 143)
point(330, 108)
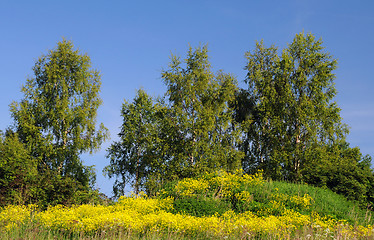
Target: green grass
point(30, 231)
point(325, 202)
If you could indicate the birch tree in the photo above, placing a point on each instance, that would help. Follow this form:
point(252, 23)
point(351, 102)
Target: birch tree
point(56, 119)
point(294, 112)
point(134, 157)
point(200, 115)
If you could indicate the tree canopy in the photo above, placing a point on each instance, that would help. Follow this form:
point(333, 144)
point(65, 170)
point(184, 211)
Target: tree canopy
point(200, 114)
point(291, 106)
point(56, 119)
point(186, 133)
point(133, 157)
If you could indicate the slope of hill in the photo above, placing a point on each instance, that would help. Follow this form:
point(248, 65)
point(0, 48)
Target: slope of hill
point(214, 206)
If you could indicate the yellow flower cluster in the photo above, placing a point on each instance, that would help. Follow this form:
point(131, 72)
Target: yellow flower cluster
point(301, 201)
point(11, 216)
point(145, 205)
point(222, 183)
point(244, 196)
point(141, 214)
point(190, 186)
point(304, 201)
point(134, 212)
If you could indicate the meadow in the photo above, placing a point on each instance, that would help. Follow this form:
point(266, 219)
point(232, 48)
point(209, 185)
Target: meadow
point(214, 206)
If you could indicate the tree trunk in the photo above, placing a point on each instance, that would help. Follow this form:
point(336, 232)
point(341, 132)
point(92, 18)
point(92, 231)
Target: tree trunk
point(137, 172)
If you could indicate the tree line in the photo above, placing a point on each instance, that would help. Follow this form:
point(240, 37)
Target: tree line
point(284, 122)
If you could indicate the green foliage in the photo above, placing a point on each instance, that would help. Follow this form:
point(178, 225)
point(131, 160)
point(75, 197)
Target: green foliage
point(17, 170)
point(51, 189)
point(57, 117)
point(21, 183)
point(343, 170)
point(188, 132)
point(200, 134)
point(134, 157)
point(53, 124)
point(200, 206)
point(289, 101)
point(324, 201)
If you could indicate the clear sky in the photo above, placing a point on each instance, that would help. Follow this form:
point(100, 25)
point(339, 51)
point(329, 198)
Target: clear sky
point(130, 42)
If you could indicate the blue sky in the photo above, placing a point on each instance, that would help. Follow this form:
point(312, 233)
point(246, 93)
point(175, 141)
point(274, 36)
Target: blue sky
point(130, 42)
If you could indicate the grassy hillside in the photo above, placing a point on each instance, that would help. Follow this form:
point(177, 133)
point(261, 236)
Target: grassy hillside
point(214, 206)
point(220, 192)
